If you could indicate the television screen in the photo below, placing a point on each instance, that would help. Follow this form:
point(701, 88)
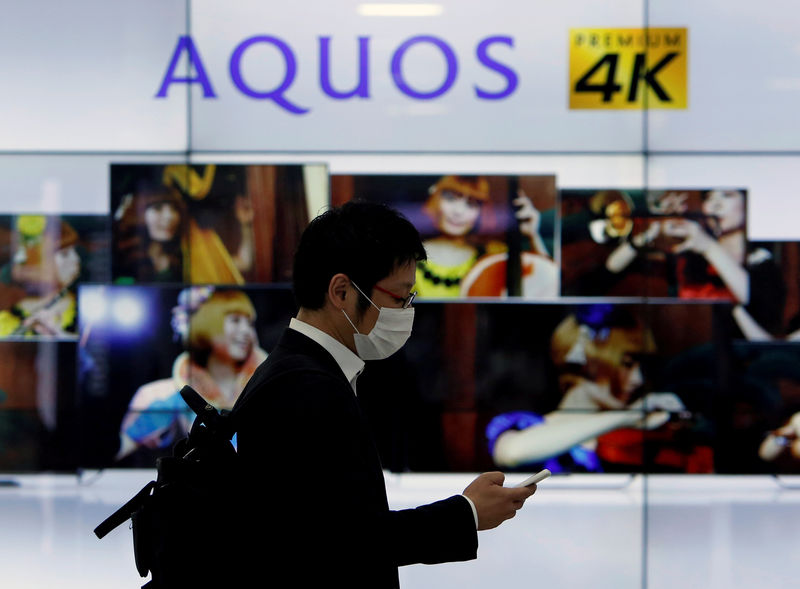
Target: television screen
point(207, 223)
point(142, 344)
point(760, 430)
point(43, 259)
point(686, 244)
point(576, 388)
point(485, 236)
point(39, 417)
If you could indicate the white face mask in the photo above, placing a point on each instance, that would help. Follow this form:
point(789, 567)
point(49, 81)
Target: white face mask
point(391, 331)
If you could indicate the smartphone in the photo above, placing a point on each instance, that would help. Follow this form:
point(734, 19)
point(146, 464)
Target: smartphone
point(534, 478)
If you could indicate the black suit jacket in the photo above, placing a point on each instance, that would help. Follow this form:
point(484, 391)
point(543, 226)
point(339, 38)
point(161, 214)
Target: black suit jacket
point(315, 486)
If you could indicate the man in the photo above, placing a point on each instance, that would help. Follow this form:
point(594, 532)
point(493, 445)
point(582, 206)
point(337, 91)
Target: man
point(354, 272)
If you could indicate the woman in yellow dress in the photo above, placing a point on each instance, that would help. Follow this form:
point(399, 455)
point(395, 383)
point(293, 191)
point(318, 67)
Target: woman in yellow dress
point(456, 205)
point(158, 237)
point(463, 258)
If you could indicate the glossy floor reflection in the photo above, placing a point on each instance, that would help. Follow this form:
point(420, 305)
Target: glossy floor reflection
point(614, 532)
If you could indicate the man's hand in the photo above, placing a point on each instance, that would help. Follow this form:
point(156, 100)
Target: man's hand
point(494, 502)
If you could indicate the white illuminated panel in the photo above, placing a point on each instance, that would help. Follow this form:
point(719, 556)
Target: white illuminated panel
point(82, 76)
point(56, 184)
point(470, 77)
point(744, 77)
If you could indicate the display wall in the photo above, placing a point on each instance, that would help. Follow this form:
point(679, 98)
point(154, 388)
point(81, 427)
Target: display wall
point(605, 191)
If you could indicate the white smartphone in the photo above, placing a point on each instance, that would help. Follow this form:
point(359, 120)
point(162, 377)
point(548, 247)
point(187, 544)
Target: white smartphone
point(534, 478)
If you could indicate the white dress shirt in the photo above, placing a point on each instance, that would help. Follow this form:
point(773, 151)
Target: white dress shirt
point(350, 363)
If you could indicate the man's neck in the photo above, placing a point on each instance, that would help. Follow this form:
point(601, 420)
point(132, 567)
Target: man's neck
point(323, 320)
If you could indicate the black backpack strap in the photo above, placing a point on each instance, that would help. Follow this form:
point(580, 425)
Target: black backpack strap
point(197, 403)
point(206, 413)
point(124, 513)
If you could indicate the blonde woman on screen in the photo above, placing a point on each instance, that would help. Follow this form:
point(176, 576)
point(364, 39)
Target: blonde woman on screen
point(222, 353)
point(459, 207)
point(463, 263)
point(597, 354)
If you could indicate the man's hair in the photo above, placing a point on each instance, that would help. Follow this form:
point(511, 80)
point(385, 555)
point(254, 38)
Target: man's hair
point(365, 241)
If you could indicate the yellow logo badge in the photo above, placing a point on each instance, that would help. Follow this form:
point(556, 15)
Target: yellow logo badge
point(628, 68)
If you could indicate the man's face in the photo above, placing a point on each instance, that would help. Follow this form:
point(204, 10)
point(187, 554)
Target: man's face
point(400, 282)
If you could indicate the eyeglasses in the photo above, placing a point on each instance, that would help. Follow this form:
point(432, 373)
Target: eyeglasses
point(406, 301)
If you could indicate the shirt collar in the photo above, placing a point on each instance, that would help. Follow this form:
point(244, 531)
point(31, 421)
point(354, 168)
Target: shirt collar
point(349, 362)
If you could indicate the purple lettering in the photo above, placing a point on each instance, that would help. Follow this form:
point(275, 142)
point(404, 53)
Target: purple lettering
point(510, 75)
point(397, 69)
point(275, 95)
point(185, 43)
point(362, 89)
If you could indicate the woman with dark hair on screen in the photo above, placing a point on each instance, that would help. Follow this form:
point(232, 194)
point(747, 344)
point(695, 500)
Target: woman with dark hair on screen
point(219, 203)
point(714, 267)
point(149, 236)
point(710, 251)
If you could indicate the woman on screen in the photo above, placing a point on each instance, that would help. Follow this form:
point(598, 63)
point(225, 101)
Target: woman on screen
point(149, 236)
point(599, 421)
point(455, 205)
point(461, 211)
point(717, 248)
point(710, 251)
point(219, 205)
point(45, 266)
point(222, 353)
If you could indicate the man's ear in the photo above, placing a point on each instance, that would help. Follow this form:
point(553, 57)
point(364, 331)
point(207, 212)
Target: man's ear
point(338, 289)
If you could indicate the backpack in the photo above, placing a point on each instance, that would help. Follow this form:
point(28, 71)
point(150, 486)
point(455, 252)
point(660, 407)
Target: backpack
point(185, 522)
